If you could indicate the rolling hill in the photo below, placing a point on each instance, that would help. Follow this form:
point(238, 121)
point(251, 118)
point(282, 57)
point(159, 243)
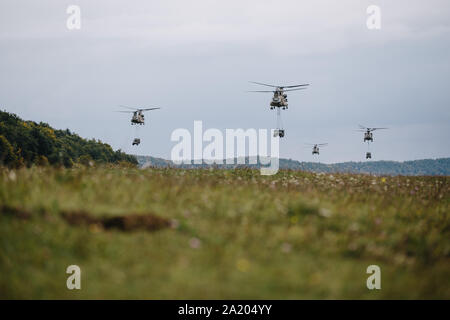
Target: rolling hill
point(426, 167)
point(23, 143)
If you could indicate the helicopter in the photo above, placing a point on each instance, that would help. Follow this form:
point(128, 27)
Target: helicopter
point(138, 114)
point(368, 136)
point(279, 99)
point(316, 146)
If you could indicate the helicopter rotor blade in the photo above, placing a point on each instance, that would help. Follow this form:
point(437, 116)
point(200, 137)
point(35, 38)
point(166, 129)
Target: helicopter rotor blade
point(260, 91)
point(294, 89)
point(295, 86)
point(128, 107)
point(148, 109)
point(125, 111)
point(264, 84)
point(373, 129)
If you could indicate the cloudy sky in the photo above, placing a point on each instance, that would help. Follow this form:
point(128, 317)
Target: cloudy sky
point(194, 58)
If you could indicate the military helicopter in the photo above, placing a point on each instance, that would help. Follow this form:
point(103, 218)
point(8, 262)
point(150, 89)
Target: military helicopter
point(316, 146)
point(279, 99)
point(138, 114)
point(368, 136)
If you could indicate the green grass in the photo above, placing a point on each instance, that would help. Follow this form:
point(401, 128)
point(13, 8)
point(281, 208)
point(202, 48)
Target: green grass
point(234, 234)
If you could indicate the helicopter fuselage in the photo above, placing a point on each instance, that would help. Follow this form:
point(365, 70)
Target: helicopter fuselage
point(315, 150)
point(368, 136)
point(137, 118)
point(279, 99)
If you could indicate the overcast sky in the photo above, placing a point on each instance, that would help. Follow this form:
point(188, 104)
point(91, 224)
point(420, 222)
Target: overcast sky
point(195, 58)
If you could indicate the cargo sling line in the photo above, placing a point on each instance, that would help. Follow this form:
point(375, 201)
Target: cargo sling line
point(279, 120)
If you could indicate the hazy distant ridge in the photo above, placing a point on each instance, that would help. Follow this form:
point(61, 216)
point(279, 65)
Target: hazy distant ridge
point(415, 167)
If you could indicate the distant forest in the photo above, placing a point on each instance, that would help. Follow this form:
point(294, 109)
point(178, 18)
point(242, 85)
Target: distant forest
point(24, 143)
point(430, 167)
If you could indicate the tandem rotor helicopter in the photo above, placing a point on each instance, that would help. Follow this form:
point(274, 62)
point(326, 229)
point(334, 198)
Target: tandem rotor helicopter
point(368, 136)
point(316, 146)
point(138, 114)
point(279, 101)
point(137, 118)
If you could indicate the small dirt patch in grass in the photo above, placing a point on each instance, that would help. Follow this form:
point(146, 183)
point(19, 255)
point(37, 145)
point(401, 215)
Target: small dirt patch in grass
point(128, 222)
point(15, 212)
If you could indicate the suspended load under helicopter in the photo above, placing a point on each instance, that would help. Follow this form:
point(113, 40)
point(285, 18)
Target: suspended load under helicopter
point(279, 101)
point(368, 137)
point(137, 118)
point(279, 131)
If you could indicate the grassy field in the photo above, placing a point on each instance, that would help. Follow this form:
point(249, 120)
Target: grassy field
point(168, 233)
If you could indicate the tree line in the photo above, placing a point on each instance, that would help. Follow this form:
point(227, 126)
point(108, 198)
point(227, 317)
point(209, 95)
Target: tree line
point(24, 143)
point(427, 167)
